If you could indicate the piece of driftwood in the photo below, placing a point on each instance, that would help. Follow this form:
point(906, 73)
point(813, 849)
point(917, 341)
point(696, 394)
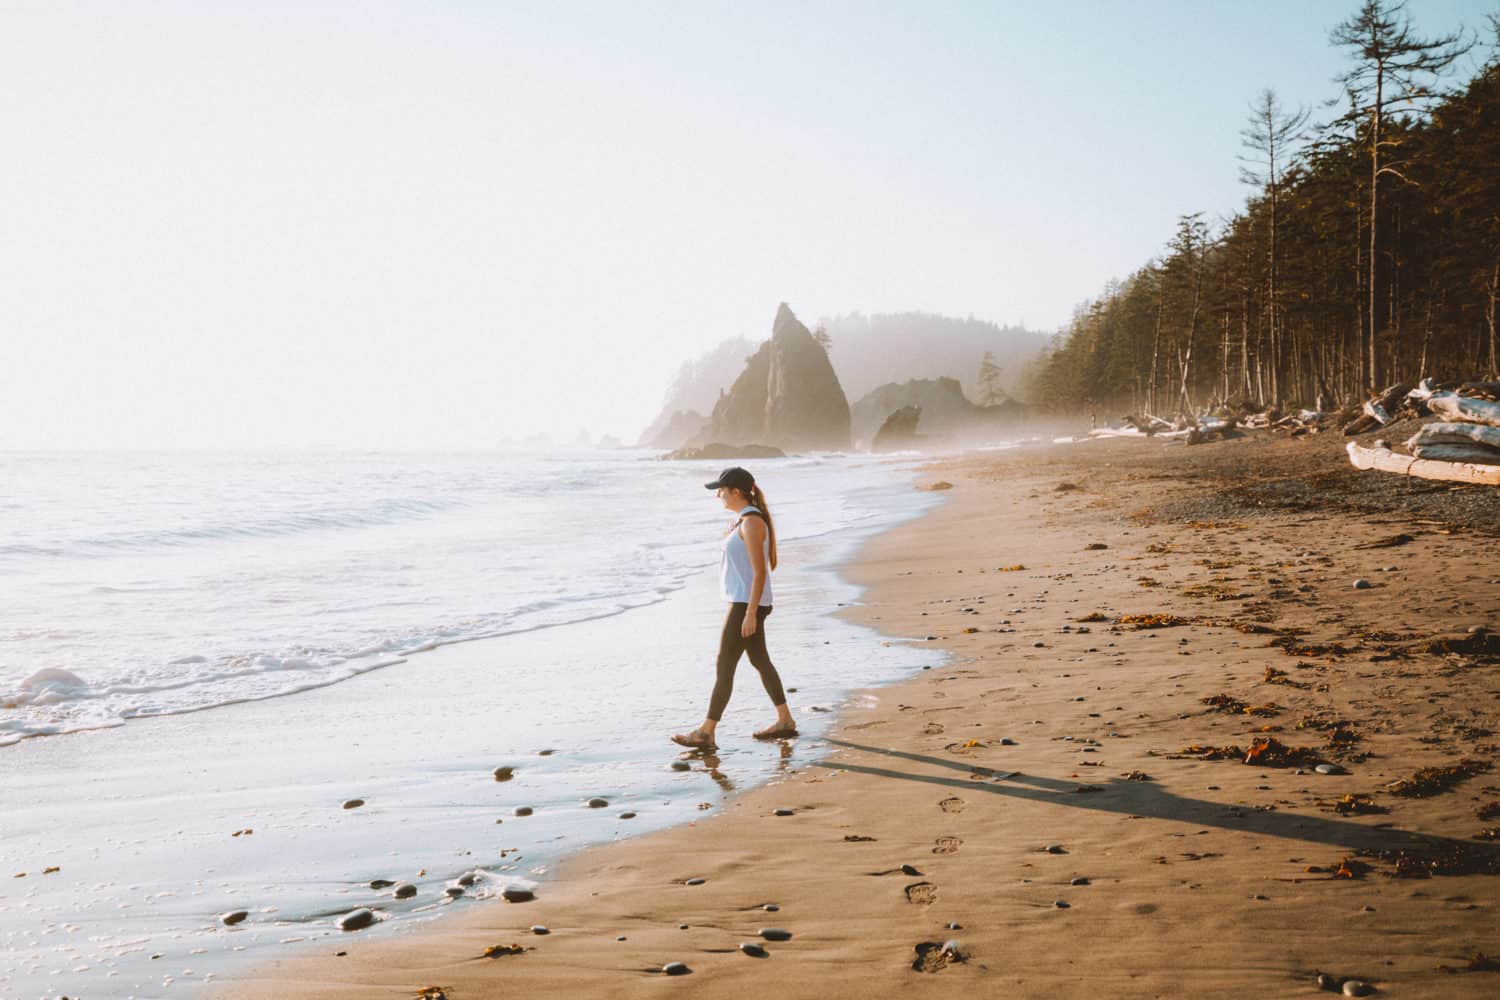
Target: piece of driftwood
point(1451, 406)
point(1386, 460)
point(1476, 454)
point(1455, 433)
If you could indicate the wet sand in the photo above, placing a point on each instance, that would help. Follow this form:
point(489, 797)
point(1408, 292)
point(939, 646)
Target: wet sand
point(1043, 788)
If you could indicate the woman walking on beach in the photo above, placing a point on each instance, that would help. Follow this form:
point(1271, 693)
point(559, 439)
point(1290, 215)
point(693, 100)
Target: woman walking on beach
point(745, 573)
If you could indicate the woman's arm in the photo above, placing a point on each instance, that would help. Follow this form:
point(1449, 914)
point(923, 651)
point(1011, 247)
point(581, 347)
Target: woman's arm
point(753, 531)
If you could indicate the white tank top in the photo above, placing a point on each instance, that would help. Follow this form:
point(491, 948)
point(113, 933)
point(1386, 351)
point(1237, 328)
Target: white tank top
point(735, 572)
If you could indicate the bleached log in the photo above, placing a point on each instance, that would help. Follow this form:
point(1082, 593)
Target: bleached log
point(1474, 454)
point(1452, 433)
point(1386, 460)
point(1116, 432)
point(1452, 406)
point(1377, 412)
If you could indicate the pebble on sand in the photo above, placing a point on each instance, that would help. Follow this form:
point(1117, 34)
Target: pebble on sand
point(504, 773)
point(785, 812)
point(675, 969)
point(515, 895)
point(1355, 988)
point(357, 919)
point(1361, 584)
point(468, 878)
point(353, 803)
point(404, 891)
point(696, 881)
point(1061, 904)
point(523, 810)
point(1054, 849)
point(771, 908)
point(233, 917)
point(753, 950)
point(774, 934)
point(909, 870)
point(597, 803)
point(627, 815)
point(681, 765)
point(1330, 769)
point(539, 929)
point(1080, 880)
point(381, 883)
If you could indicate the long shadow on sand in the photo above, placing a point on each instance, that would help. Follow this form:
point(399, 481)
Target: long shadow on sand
point(1147, 799)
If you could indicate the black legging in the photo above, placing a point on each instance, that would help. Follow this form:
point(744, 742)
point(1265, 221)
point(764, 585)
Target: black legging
point(731, 645)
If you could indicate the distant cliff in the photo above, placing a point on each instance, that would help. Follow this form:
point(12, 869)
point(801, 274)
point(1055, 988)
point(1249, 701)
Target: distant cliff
point(873, 350)
point(694, 389)
point(945, 411)
point(787, 396)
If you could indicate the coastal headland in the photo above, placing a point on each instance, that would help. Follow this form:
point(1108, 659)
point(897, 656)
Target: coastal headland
point(1215, 721)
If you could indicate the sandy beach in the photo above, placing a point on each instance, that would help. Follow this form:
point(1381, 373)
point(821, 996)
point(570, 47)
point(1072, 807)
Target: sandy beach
point(1064, 809)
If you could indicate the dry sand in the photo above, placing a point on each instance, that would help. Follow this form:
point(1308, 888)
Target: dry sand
point(1202, 877)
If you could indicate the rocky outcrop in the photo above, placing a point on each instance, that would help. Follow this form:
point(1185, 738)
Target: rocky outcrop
point(945, 411)
point(899, 432)
point(722, 452)
point(788, 396)
point(673, 430)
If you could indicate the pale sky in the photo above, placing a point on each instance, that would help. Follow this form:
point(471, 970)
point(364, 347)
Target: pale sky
point(436, 225)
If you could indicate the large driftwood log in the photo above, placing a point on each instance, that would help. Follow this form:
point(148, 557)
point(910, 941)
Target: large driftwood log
point(1452, 406)
point(1464, 434)
point(1386, 460)
point(1475, 454)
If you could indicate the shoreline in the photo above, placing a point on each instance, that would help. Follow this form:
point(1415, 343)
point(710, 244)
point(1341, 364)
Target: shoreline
point(127, 843)
point(1173, 867)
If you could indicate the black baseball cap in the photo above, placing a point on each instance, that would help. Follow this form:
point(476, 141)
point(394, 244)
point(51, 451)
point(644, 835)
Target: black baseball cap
point(735, 478)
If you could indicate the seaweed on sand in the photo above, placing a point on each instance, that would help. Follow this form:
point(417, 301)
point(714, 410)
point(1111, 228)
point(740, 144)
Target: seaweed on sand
point(1436, 780)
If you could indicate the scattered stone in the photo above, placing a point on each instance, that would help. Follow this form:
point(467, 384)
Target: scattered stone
point(356, 920)
point(353, 803)
point(1080, 880)
point(468, 878)
point(1361, 584)
point(627, 815)
point(381, 883)
point(1054, 849)
point(504, 773)
point(1327, 982)
point(675, 969)
point(774, 934)
point(1061, 904)
point(404, 891)
point(233, 917)
point(753, 950)
point(546, 753)
point(771, 908)
point(695, 881)
point(1006, 741)
point(453, 891)
point(1330, 769)
point(1355, 988)
point(681, 765)
point(515, 895)
point(909, 870)
point(597, 803)
point(539, 929)
point(523, 810)
point(954, 925)
point(785, 812)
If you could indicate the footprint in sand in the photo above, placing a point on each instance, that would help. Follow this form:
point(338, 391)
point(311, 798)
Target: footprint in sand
point(921, 892)
point(933, 728)
point(946, 845)
point(952, 805)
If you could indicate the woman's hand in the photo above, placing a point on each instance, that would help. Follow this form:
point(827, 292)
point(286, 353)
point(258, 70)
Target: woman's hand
point(747, 627)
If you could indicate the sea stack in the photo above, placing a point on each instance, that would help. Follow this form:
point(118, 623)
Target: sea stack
point(788, 395)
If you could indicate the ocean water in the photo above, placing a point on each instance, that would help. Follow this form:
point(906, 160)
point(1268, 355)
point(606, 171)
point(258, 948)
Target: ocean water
point(160, 782)
point(146, 585)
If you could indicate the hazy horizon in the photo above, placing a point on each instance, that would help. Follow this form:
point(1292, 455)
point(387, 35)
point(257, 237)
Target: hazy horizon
point(380, 226)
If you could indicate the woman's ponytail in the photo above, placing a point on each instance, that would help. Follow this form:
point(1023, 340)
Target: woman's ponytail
point(759, 499)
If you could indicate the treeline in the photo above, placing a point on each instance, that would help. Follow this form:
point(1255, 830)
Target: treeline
point(1369, 252)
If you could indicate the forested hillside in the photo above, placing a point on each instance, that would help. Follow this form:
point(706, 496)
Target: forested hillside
point(1369, 251)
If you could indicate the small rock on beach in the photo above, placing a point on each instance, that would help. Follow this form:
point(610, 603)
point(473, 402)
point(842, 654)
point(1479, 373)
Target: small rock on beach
point(675, 969)
point(404, 891)
point(353, 803)
point(775, 934)
point(515, 895)
point(233, 917)
point(357, 919)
